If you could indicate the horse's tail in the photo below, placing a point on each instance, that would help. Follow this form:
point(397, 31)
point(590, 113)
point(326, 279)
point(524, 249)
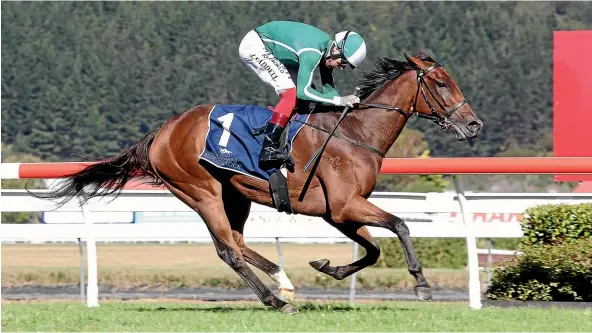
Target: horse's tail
point(107, 176)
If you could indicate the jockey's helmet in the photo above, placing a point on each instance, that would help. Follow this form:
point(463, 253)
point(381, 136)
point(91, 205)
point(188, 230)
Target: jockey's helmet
point(352, 48)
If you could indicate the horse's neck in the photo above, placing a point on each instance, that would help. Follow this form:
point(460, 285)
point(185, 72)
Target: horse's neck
point(380, 128)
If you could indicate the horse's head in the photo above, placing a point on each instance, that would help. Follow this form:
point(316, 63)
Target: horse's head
point(441, 99)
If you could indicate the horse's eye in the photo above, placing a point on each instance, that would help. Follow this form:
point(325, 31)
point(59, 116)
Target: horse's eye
point(441, 84)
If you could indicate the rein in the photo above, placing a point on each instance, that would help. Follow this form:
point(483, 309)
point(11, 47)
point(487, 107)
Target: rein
point(442, 120)
point(338, 134)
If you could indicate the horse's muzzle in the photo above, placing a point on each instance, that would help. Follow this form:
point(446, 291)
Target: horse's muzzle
point(467, 130)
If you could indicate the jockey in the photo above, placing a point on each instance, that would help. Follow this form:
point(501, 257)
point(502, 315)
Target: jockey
point(279, 49)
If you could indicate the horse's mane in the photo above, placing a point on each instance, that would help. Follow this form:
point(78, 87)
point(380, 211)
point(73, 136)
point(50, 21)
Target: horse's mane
point(387, 70)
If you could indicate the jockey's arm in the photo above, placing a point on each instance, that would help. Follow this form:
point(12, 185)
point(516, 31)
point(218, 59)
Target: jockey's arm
point(309, 60)
point(327, 81)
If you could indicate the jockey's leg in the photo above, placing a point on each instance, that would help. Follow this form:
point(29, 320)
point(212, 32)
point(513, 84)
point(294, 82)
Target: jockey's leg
point(271, 156)
point(271, 71)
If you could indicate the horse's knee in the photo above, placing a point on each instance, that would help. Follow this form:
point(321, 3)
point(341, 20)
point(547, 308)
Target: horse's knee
point(398, 226)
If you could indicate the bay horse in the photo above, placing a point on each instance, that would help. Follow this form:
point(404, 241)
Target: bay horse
point(338, 193)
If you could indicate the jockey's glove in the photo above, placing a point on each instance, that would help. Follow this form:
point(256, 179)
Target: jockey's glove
point(349, 100)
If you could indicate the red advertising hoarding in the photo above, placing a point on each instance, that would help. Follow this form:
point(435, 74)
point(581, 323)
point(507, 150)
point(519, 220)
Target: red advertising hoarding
point(572, 96)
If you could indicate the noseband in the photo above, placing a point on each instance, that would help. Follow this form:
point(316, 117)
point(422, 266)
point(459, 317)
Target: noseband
point(442, 120)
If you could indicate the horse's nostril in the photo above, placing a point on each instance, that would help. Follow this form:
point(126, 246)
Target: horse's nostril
point(474, 126)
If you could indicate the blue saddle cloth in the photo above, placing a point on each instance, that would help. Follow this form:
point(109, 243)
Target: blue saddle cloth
point(235, 136)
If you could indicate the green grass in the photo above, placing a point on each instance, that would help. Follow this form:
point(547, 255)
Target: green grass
point(159, 316)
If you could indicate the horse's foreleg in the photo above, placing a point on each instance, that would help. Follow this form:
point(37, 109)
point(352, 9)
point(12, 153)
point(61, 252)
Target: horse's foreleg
point(358, 234)
point(398, 226)
point(364, 212)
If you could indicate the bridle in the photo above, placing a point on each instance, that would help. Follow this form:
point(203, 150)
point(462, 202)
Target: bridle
point(442, 120)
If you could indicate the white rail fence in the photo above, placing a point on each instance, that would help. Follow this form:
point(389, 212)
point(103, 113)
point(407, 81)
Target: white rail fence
point(438, 215)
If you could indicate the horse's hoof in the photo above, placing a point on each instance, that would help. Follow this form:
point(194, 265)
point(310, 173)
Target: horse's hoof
point(319, 264)
point(287, 294)
point(423, 293)
point(289, 309)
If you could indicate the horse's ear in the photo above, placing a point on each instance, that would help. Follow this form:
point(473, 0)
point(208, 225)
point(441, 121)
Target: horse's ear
point(418, 63)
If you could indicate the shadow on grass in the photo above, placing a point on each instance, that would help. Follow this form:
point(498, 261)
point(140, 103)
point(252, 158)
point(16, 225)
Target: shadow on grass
point(302, 307)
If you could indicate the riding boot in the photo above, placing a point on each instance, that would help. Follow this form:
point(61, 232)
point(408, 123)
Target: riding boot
point(271, 156)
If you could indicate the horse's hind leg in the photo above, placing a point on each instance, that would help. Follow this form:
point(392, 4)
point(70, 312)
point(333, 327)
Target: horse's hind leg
point(206, 199)
point(358, 234)
point(276, 273)
point(237, 209)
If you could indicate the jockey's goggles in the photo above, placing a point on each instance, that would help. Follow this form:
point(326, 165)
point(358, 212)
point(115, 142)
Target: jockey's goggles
point(337, 52)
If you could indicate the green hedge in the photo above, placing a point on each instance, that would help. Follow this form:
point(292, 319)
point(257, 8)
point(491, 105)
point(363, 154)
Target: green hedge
point(557, 260)
point(435, 252)
point(552, 224)
point(432, 252)
point(558, 272)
